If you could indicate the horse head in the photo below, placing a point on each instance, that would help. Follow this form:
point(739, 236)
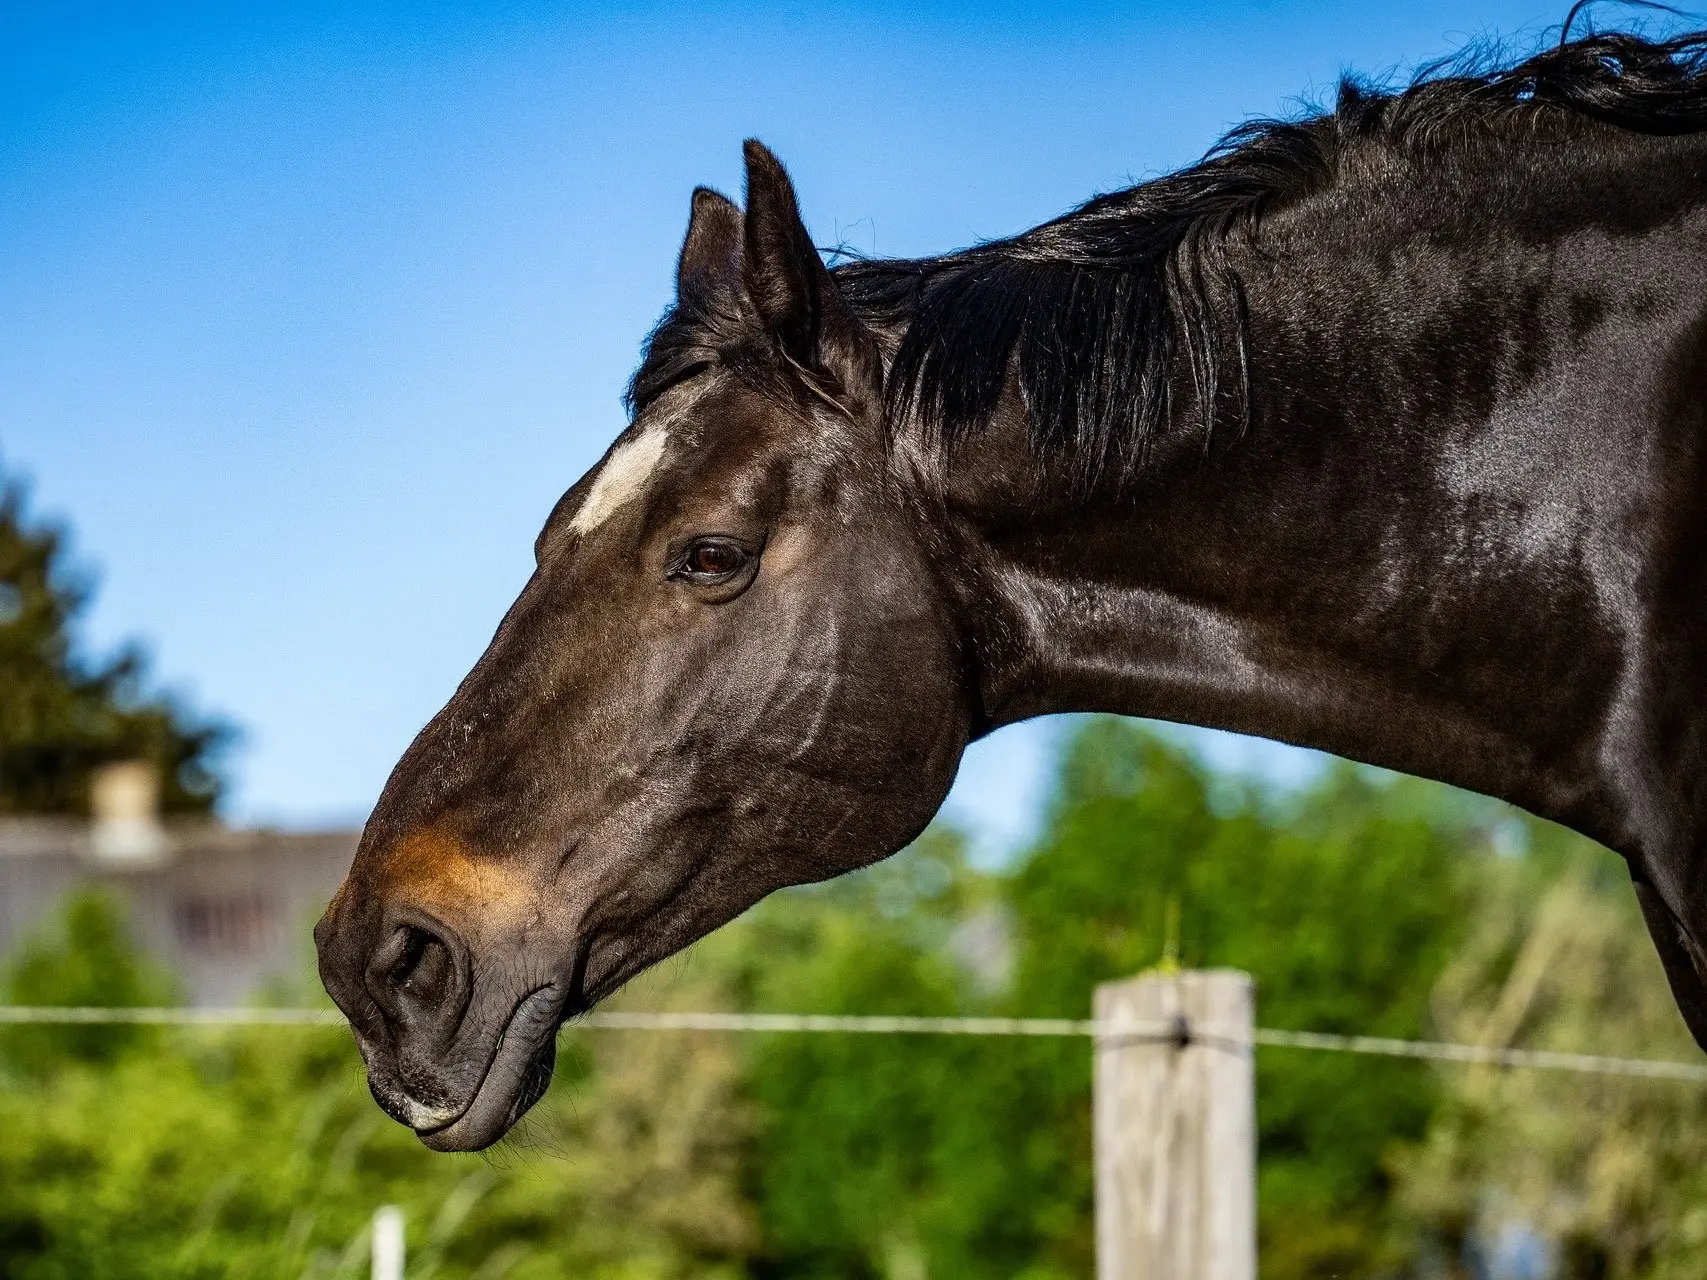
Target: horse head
point(732, 670)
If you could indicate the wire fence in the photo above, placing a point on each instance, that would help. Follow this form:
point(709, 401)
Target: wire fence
point(1120, 1031)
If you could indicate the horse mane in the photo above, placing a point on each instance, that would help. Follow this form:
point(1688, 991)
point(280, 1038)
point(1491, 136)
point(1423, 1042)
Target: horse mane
point(1091, 312)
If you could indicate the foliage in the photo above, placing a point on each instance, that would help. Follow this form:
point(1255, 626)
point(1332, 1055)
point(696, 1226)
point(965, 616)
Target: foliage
point(916, 1156)
point(61, 715)
point(1362, 903)
point(882, 1155)
point(1344, 905)
point(88, 963)
point(1612, 1169)
point(256, 1153)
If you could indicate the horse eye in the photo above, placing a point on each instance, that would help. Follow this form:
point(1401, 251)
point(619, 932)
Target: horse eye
point(712, 558)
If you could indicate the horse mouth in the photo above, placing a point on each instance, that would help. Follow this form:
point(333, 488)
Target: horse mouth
point(516, 1077)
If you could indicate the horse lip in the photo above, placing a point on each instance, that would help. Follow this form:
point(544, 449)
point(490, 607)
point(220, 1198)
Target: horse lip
point(507, 1050)
point(424, 1119)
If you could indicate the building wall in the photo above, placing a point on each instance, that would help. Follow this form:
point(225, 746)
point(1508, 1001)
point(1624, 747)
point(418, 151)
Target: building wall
point(227, 911)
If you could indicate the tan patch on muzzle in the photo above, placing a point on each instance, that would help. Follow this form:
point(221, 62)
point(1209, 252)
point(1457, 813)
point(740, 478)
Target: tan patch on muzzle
point(441, 873)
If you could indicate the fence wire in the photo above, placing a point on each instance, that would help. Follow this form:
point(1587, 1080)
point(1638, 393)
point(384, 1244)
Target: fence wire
point(1116, 1032)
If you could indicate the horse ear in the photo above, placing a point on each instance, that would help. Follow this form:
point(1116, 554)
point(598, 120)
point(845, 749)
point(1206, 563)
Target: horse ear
point(710, 264)
point(784, 275)
point(790, 287)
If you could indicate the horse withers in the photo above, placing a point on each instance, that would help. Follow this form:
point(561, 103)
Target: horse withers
point(1384, 432)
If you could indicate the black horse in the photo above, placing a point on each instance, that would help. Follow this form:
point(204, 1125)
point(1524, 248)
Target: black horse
point(1383, 432)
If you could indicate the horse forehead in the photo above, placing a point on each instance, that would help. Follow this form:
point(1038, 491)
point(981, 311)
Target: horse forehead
point(695, 438)
point(670, 428)
point(626, 474)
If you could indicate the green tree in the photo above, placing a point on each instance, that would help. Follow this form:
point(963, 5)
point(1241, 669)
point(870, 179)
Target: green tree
point(904, 1158)
point(1608, 1167)
point(87, 961)
point(856, 1167)
point(1360, 904)
point(1345, 903)
point(258, 1152)
point(62, 714)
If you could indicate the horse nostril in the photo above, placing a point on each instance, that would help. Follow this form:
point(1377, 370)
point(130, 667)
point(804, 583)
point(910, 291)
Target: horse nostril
point(423, 964)
point(414, 975)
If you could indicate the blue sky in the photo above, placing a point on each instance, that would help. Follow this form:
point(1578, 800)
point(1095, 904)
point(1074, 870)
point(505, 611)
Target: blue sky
point(308, 313)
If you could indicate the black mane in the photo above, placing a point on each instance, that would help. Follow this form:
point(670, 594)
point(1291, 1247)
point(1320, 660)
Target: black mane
point(1089, 313)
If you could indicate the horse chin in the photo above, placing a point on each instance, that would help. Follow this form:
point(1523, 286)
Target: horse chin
point(518, 1076)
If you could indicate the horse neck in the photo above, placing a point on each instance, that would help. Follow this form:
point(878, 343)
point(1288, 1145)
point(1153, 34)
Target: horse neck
point(1430, 548)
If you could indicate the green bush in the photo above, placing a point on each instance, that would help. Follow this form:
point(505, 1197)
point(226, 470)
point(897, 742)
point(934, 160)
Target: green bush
point(89, 963)
point(908, 1156)
point(1361, 904)
point(257, 1152)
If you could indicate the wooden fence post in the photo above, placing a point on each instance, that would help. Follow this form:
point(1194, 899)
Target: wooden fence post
point(1175, 1121)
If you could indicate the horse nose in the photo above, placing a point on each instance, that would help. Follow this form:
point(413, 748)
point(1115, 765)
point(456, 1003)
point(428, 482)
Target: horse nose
point(418, 977)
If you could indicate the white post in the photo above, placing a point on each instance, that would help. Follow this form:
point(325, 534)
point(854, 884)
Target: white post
point(1175, 1124)
point(388, 1243)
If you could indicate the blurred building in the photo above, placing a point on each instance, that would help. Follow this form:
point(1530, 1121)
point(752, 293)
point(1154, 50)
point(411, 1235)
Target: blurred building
point(224, 909)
